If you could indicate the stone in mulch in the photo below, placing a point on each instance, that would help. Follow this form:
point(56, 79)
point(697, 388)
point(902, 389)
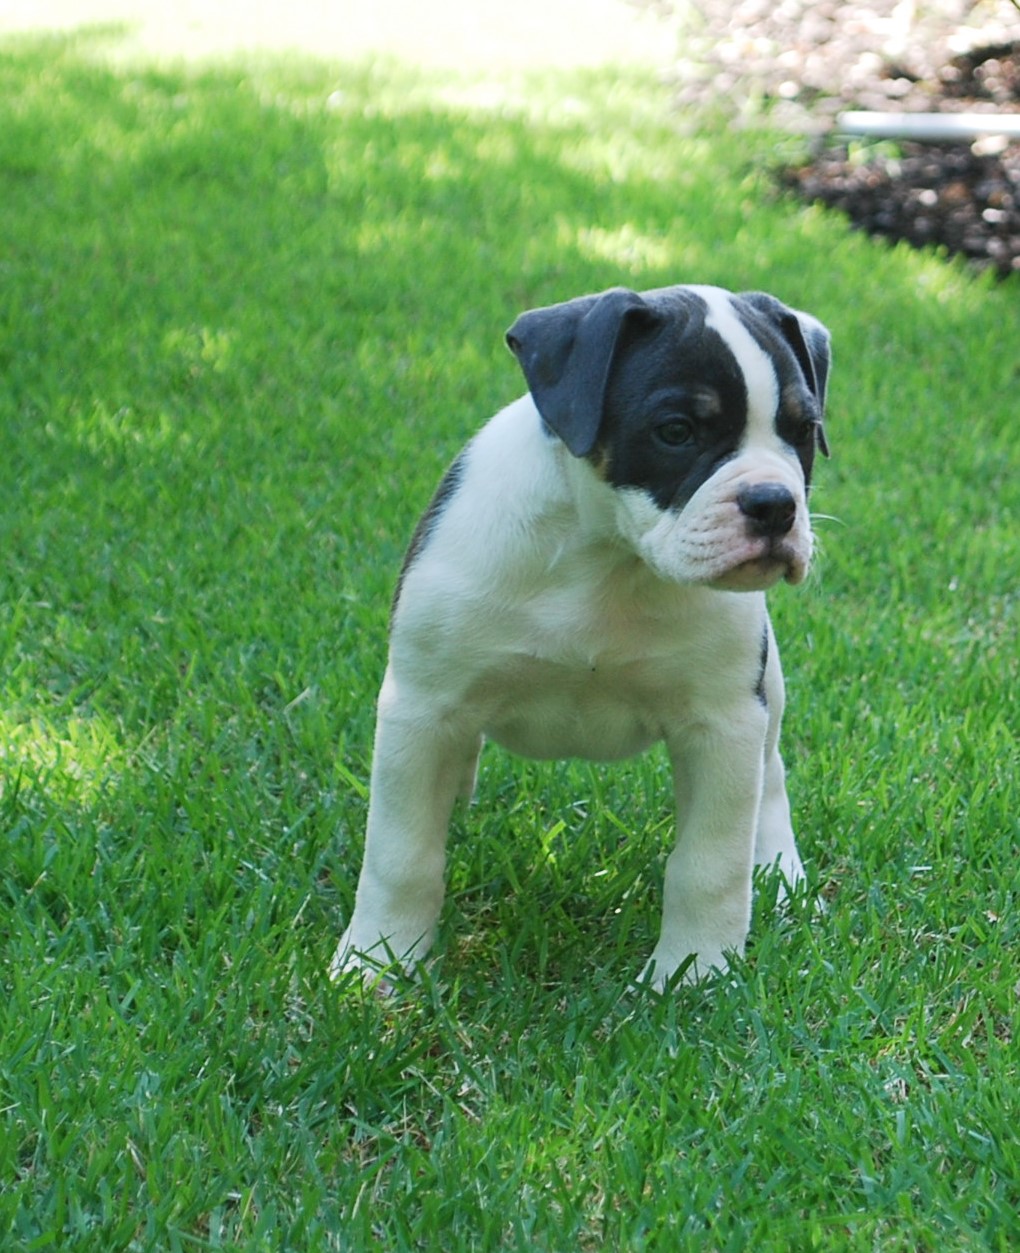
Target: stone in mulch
point(964, 198)
point(808, 60)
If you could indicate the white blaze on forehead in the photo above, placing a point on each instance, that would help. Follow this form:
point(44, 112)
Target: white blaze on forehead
point(754, 363)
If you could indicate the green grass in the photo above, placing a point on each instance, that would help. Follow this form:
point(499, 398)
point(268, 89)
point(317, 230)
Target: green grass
point(248, 313)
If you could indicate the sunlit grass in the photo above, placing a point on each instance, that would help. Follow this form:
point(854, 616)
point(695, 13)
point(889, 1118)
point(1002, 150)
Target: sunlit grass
point(485, 39)
point(72, 760)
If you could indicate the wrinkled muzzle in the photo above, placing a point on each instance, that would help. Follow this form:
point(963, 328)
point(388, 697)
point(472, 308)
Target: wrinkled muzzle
point(745, 529)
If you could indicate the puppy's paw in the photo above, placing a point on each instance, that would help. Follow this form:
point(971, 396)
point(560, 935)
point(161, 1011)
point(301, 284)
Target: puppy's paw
point(664, 971)
point(785, 868)
point(378, 970)
point(784, 895)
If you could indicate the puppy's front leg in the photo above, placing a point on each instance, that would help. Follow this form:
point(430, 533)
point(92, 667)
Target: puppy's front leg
point(706, 909)
point(419, 767)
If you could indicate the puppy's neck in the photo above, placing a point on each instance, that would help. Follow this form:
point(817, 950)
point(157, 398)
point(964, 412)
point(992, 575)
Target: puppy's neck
point(594, 501)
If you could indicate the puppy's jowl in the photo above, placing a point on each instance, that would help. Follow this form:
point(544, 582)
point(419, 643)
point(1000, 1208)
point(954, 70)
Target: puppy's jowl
point(588, 580)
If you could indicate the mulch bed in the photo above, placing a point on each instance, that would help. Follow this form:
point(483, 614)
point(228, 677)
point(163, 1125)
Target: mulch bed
point(964, 198)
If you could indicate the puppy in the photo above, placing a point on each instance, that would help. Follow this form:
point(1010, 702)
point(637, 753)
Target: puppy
point(589, 580)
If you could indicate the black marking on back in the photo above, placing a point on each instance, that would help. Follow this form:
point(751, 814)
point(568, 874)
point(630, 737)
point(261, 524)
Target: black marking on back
point(759, 687)
point(448, 485)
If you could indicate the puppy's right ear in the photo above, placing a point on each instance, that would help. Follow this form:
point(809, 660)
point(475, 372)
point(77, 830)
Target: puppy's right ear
point(811, 345)
point(566, 352)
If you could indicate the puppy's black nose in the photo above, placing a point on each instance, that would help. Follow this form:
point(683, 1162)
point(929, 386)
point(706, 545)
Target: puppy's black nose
point(769, 508)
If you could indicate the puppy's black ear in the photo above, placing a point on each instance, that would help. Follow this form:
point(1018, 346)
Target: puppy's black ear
point(810, 342)
point(566, 352)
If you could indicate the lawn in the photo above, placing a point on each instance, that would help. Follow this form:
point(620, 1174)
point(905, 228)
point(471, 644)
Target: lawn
point(248, 312)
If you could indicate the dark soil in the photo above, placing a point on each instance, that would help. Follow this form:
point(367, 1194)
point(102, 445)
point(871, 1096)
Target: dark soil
point(964, 198)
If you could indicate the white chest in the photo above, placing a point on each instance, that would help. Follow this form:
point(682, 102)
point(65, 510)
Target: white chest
point(603, 670)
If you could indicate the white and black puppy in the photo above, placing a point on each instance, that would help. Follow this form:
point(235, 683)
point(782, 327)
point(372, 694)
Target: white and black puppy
point(589, 580)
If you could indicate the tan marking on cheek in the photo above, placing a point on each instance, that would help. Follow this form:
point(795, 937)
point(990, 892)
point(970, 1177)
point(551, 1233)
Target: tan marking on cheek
point(600, 461)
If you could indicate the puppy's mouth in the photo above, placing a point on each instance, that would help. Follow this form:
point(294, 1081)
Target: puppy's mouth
point(764, 570)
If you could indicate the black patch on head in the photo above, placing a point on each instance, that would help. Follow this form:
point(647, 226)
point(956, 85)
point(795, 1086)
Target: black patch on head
point(759, 687)
point(448, 485)
point(676, 404)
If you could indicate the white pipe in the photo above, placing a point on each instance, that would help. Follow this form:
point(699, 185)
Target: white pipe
point(930, 126)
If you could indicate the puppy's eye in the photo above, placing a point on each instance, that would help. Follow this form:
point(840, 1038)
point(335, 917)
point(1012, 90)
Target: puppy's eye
point(675, 433)
point(801, 431)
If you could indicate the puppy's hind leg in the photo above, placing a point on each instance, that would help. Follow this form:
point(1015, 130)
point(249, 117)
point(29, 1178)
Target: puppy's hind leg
point(775, 845)
point(469, 773)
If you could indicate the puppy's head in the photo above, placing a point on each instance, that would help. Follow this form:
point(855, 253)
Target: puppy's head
point(702, 410)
